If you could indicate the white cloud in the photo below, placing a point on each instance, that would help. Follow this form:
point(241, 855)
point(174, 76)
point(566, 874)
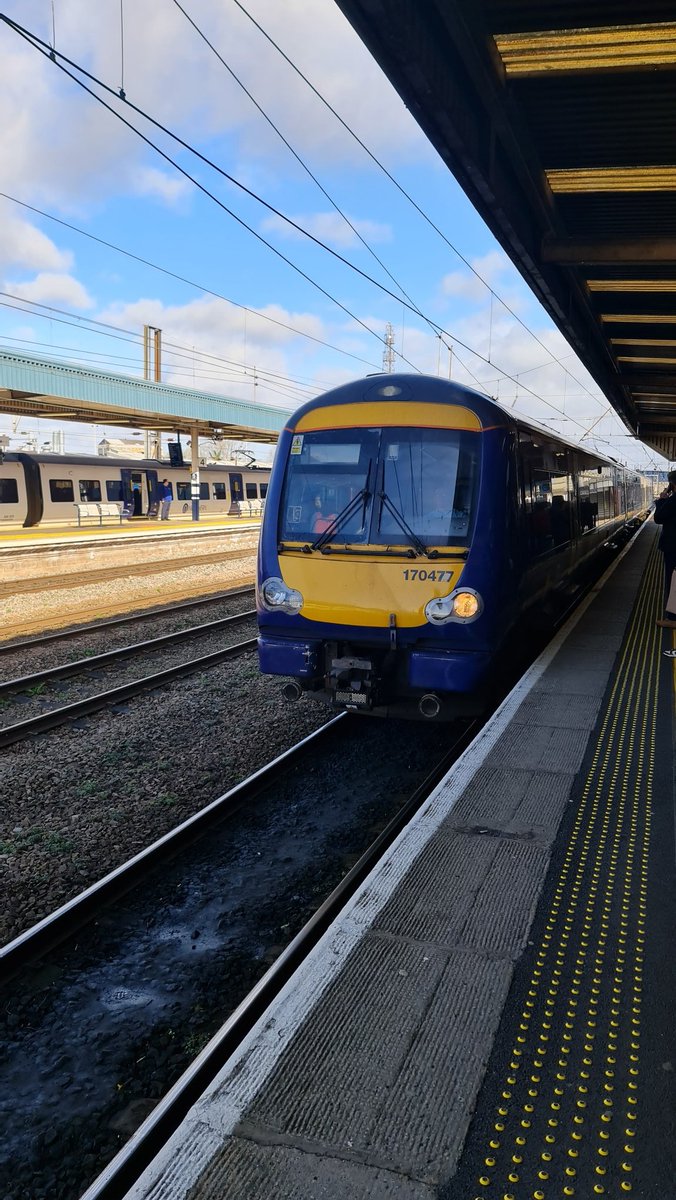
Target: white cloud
point(58, 143)
point(231, 345)
point(23, 245)
point(492, 272)
point(148, 181)
point(330, 227)
point(50, 287)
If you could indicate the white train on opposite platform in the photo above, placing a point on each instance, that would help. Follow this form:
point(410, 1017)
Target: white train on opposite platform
point(44, 489)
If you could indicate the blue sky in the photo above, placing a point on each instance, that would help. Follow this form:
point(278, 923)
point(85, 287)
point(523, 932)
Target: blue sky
point(252, 326)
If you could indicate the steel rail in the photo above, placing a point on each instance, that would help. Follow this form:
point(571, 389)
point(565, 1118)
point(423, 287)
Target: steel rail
point(124, 1170)
point(82, 708)
point(23, 682)
point(131, 619)
point(35, 942)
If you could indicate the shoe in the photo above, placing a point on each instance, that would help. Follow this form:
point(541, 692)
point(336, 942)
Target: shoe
point(665, 623)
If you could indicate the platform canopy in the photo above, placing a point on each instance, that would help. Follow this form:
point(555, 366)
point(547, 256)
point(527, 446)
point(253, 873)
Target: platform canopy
point(36, 387)
point(558, 118)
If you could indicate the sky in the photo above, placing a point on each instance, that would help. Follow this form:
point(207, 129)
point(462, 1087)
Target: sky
point(248, 305)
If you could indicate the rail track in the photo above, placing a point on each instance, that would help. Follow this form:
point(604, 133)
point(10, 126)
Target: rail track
point(96, 910)
point(69, 712)
point(152, 614)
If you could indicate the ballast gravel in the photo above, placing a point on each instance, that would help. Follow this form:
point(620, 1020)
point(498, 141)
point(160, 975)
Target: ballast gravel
point(55, 694)
point(25, 659)
point(58, 607)
point(78, 801)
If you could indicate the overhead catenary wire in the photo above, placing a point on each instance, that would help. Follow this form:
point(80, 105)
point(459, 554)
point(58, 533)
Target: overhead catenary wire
point(173, 349)
point(506, 374)
point(39, 45)
point(266, 117)
point(183, 279)
point(402, 190)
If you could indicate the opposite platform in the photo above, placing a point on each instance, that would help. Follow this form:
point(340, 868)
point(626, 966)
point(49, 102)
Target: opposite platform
point(487, 964)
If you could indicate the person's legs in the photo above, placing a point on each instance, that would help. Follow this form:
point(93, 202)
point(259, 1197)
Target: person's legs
point(668, 621)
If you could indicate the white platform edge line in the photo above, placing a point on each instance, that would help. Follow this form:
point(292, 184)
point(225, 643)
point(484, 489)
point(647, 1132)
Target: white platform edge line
point(248, 1069)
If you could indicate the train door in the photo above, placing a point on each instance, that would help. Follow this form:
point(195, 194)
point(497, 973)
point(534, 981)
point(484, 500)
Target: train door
point(132, 490)
point(236, 490)
point(153, 493)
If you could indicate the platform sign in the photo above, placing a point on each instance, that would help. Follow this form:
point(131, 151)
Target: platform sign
point(195, 494)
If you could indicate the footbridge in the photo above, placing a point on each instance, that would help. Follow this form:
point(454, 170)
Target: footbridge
point(36, 387)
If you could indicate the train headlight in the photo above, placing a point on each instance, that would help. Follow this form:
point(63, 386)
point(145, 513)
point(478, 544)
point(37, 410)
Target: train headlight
point(277, 597)
point(463, 605)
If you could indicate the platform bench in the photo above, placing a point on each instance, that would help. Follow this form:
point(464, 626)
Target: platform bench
point(90, 512)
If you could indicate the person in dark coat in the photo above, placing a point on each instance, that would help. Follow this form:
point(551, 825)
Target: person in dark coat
point(665, 515)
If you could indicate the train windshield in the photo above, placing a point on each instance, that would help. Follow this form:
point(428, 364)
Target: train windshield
point(429, 478)
point(423, 480)
point(325, 472)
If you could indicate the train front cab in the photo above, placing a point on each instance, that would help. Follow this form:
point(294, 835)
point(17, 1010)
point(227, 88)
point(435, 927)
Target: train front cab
point(372, 594)
point(371, 583)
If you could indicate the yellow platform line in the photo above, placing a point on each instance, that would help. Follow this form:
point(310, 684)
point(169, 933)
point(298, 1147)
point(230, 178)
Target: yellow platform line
point(617, 743)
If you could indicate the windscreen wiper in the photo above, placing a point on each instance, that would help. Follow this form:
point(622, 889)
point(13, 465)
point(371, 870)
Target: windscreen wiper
point(362, 497)
point(413, 538)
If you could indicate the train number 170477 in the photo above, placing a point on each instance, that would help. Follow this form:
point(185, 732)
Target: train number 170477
point(422, 574)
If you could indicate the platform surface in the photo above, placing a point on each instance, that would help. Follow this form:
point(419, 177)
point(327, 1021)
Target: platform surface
point(446, 989)
point(49, 535)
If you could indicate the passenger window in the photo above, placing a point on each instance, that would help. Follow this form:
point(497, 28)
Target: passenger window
point(90, 490)
point(61, 491)
point(219, 491)
point(251, 491)
point(114, 489)
point(182, 491)
point(264, 490)
point(204, 491)
point(547, 491)
point(9, 493)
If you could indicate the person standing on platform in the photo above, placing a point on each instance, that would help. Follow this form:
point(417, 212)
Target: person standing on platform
point(665, 515)
point(165, 500)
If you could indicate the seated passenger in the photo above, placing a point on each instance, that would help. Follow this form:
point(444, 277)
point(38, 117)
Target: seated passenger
point(320, 522)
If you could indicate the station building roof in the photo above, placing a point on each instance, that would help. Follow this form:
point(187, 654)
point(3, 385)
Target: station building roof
point(558, 118)
point(36, 387)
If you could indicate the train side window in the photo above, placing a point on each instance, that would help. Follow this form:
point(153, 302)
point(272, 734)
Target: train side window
point(9, 492)
point(90, 490)
point(114, 489)
point(182, 491)
point(219, 491)
point(264, 490)
point(204, 491)
point(547, 491)
point(61, 491)
point(251, 491)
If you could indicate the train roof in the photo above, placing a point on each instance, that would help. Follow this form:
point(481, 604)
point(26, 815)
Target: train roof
point(138, 464)
point(489, 410)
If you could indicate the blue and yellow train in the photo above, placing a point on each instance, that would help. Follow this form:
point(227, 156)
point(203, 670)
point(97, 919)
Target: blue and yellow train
point(411, 523)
